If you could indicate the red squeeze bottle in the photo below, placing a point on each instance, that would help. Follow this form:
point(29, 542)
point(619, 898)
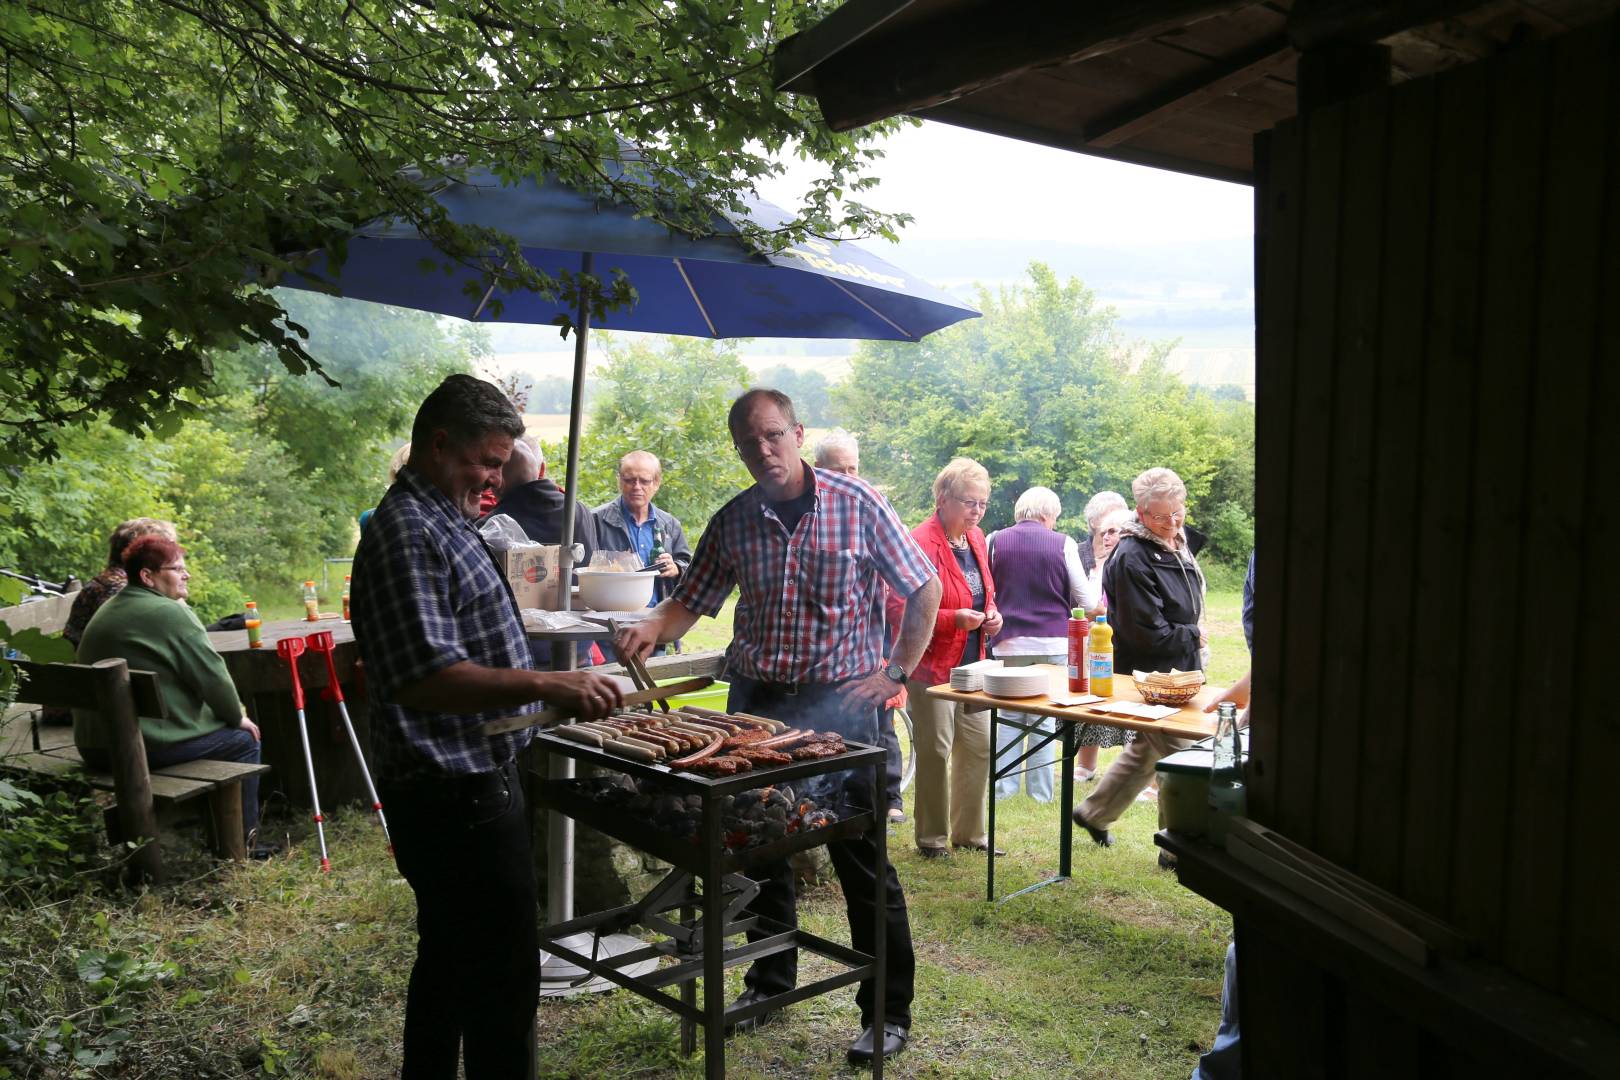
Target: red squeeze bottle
point(1079, 659)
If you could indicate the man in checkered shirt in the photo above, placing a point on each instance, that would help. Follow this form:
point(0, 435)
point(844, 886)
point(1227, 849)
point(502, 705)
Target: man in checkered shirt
point(811, 552)
point(444, 650)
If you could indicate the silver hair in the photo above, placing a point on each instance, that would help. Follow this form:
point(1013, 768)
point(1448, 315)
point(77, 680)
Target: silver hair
point(1101, 503)
point(1038, 504)
point(1156, 484)
point(836, 439)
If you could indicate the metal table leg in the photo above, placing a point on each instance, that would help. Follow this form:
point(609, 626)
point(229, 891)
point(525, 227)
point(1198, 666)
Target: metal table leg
point(714, 944)
point(880, 931)
point(990, 855)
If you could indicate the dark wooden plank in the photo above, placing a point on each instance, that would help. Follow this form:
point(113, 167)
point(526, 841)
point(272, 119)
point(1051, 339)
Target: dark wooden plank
point(49, 765)
point(1350, 508)
point(1220, 77)
point(1278, 196)
point(1557, 504)
point(1282, 1008)
point(70, 686)
point(1441, 528)
point(1395, 395)
point(1591, 948)
point(1311, 436)
point(1493, 559)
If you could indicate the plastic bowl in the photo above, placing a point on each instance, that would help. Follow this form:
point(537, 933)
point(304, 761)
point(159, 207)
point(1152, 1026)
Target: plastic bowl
point(615, 590)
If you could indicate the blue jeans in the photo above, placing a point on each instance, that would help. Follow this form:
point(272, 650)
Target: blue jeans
point(1224, 1061)
point(1010, 743)
point(226, 744)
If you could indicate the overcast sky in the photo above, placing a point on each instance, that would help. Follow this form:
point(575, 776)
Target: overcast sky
point(965, 185)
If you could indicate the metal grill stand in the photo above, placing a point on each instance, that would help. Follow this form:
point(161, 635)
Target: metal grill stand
point(706, 888)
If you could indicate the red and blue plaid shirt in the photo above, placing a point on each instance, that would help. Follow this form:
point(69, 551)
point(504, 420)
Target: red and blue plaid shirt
point(811, 608)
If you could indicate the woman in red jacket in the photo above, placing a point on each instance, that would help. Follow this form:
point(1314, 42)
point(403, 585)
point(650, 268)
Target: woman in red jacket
point(952, 812)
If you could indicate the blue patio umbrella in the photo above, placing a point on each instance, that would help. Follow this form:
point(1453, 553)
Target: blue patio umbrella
point(717, 286)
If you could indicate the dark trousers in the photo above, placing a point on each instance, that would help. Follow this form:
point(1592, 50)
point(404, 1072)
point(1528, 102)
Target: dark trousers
point(463, 844)
point(226, 744)
point(821, 708)
point(891, 774)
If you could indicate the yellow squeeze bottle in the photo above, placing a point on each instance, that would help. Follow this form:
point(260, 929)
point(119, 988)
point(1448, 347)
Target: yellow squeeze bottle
point(1102, 657)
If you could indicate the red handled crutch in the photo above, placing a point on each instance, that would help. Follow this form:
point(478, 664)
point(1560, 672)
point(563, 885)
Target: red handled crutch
point(321, 642)
point(290, 649)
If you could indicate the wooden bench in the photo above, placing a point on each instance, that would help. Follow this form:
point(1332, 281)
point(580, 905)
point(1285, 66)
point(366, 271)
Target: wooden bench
point(120, 696)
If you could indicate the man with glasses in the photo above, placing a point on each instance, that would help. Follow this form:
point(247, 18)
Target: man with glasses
point(811, 552)
point(1155, 590)
point(632, 523)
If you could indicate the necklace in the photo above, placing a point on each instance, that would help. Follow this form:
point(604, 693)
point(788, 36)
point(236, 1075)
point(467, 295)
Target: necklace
point(959, 543)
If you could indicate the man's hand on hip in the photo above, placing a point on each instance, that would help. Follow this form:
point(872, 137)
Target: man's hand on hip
point(872, 691)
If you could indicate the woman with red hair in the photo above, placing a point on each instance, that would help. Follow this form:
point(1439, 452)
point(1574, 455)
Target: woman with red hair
point(149, 625)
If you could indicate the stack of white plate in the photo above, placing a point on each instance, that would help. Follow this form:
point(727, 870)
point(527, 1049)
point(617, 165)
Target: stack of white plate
point(1016, 682)
point(970, 677)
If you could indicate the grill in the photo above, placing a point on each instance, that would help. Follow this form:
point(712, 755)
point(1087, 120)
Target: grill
point(708, 885)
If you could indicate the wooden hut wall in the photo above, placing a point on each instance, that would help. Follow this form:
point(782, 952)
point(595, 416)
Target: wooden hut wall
point(1438, 584)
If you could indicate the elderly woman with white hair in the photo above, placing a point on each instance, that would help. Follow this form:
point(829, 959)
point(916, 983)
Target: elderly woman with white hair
point(952, 745)
point(1099, 541)
point(1155, 591)
point(1040, 581)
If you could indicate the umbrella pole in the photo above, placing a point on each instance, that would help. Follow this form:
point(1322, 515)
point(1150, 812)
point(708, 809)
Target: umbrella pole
point(560, 834)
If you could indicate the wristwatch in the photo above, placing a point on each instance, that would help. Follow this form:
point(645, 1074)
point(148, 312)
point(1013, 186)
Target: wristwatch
point(895, 672)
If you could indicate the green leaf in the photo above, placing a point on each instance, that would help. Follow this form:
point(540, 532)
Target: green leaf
point(40, 648)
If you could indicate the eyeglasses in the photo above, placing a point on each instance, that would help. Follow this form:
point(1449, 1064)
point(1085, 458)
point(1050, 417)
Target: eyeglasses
point(636, 481)
point(1176, 515)
point(179, 569)
point(760, 443)
point(972, 504)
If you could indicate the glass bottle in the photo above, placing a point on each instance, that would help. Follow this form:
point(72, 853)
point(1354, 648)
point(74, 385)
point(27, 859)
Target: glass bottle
point(345, 597)
point(1227, 798)
point(312, 602)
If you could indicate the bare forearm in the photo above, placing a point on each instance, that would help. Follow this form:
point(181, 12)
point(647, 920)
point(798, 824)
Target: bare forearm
point(917, 625)
point(672, 619)
point(466, 687)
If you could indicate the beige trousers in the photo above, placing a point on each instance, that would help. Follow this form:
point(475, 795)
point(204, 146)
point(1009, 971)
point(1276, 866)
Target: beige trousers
point(1126, 777)
point(948, 739)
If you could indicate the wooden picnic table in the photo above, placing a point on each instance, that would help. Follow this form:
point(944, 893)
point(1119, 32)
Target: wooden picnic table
point(265, 687)
point(1189, 722)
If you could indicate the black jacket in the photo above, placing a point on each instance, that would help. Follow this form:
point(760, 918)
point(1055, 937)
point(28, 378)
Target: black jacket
point(538, 507)
point(1154, 603)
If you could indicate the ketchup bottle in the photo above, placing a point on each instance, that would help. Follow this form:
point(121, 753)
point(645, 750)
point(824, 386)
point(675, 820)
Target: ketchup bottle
point(1079, 659)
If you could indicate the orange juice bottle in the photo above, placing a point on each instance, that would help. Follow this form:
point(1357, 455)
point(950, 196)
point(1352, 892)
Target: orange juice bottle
point(312, 602)
point(1102, 657)
point(345, 597)
point(251, 622)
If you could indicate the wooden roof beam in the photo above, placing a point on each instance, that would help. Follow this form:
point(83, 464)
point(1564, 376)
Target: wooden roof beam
point(1312, 23)
point(1215, 81)
point(967, 49)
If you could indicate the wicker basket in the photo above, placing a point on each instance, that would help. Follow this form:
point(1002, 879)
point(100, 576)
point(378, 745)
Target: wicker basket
point(1166, 695)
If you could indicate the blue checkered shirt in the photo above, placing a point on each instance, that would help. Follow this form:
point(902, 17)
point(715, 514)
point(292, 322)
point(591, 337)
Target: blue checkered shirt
point(427, 594)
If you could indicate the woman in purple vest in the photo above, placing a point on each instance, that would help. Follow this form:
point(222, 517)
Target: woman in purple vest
point(1039, 578)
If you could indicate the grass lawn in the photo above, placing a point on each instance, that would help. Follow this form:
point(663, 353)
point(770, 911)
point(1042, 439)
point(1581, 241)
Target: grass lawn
point(281, 970)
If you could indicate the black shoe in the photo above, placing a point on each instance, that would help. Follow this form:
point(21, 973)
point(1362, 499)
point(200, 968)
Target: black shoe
point(933, 853)
point(981, 848)
point(746, 998)
point(1167, 861)
point(897, 816)
point(264, 849)
point(862, 1050)
point(1100, 837)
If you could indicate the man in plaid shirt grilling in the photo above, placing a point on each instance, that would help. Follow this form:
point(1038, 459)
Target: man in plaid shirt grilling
point(445, 652)
point(811, 552)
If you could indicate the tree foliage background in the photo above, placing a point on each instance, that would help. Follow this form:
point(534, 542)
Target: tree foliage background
point(153, 153)
point(1044, 390)
point(670, 400)
point(267, 477)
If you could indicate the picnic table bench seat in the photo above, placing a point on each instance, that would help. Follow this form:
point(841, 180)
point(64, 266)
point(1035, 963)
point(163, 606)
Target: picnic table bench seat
point(143, 795)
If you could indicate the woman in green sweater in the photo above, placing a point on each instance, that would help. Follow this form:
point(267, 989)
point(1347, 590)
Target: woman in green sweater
point(149, 625)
